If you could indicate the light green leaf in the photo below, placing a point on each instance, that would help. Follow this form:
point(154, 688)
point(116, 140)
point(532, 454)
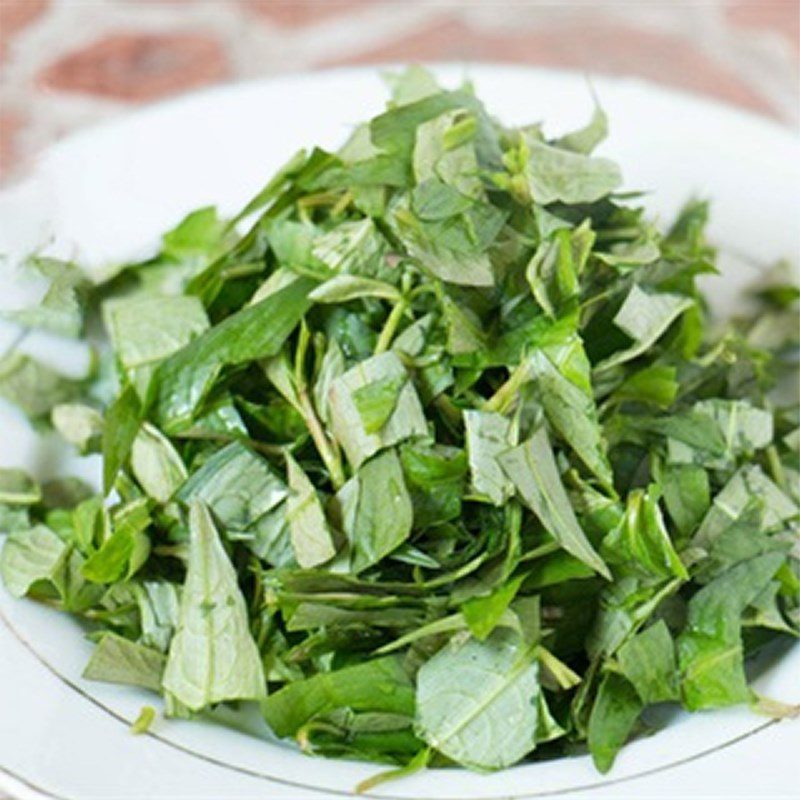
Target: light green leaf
point(122, 423)
point(197, 239)
point(406, 419)
point(641, 543)
point(624, 606)
point(156, 464)
point(734, 498)
point(61, 310)
point(573, 413)
point(655, 384)
point(648, 661)
point(614, 713)
point(354, 247)
point(487, 436)
point(482, 614)
point(237, 485)
point(533, 470)
point(585, 139)
point(311, 537)
point(742, 427)
point(412, 84)
point(331, 368)
point(32, 386)
point(271, 537)
point(145, 329)
point(124, 552)
point(477, 701)
point(79, 424)
point(377, 400)
point(29, 556)
point(434, 157)
point(17, 488)
point(159, 611)
point(567, 177)
point(213, 657)
point(644, 318)
point(383, 514)
point(119, 660)
point(464, 331)
point(686, 495)
point(378, 685)
point(554, 270)
point(432, 200)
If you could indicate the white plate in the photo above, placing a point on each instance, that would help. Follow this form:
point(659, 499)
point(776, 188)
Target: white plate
point(106, 194)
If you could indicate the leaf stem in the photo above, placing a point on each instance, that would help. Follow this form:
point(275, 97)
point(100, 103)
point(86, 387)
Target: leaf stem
point(390, 326)
point(504, 397)
point(327, 450)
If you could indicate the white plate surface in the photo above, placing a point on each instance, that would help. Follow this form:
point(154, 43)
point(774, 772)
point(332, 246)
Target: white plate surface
point(106, 194)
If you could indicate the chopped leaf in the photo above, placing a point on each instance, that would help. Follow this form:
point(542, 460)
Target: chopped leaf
point(572, 412)
point(312, 540)
point(533, 470)
point(79, 424)
point(405, 416)
point(644, 317)
point(648, 661)
point(614, 713)
point(32, 386)
point(17, 488)
point(378, 685)
point(156, 465)
point(61, 310)
point(143, 722)
point(482, 614)
point(29, 556)
point(145, 329)
point(344, 288)
point(237, 485)
point(184, 379)
point(383, 515)
point(710, 650)
point(487, 436)
point(376, 401)
point(122, 423)
point(585, 139)
point(213, 656)
point(641, 542)
point(560, 175)
point(477, 701)
point(118, 660)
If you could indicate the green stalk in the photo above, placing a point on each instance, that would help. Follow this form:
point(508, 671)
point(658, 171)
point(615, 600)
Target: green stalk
point(328, 451)
point(390, 326)
point(502, 400)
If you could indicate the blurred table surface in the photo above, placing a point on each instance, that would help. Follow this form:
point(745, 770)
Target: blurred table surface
point(65, 64)
point(68, 63)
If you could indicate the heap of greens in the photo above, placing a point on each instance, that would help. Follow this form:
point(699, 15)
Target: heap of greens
point(441, 460)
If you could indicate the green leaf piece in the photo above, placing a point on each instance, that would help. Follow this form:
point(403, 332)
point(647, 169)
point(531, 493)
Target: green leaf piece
point(405, 415)
point(533, 470)
point(119, 660)
point(470, 689)
point(212, 657)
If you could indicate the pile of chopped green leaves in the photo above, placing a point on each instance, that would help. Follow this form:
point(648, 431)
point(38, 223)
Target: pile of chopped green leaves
point(441, 459)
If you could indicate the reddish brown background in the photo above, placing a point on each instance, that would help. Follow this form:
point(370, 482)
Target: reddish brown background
point(67, 63)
